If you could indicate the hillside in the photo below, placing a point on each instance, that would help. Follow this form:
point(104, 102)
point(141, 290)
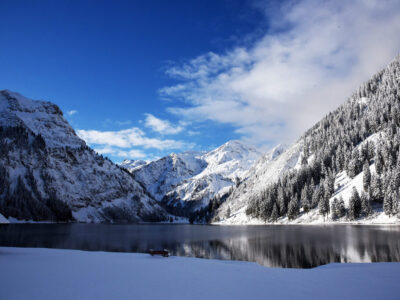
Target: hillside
point(345, 168)
point(48, 173)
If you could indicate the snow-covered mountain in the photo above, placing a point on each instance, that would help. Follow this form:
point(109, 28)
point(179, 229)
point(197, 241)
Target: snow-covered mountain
point(345, 168)
point(187, 181)
point(48, 173)
point(132, 165)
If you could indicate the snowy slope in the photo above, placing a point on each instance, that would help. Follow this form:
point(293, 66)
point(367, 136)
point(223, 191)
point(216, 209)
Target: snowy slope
point(132, 165)
point(48, 173)
point(274, 164)
point(189, 180)
point(266, 170)
point(3, 220)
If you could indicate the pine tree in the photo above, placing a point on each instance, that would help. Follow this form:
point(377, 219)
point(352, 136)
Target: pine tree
point(365, 204)
point(341, 209)
point(395, 204)
point(293, 209)
point(379, 161)
point(324, 203)
point(305, 200)
point(377, 189)
point(334, 209)
point(281, 202)
point(228, 212)
point(354, 205)
point(275, 213)
point(388, 203)
point(355, 164)
point(366, 176)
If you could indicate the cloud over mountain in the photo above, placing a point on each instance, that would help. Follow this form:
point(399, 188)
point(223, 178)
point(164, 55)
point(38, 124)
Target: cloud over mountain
point(306, 63)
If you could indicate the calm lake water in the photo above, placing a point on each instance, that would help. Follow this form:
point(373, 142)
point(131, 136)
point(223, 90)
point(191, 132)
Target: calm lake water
point(278, 246)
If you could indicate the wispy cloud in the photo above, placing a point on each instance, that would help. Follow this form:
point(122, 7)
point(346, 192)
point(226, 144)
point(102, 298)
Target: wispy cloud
point(161, 126)
point(130, 154)
point(128, 138)
point(72, 112)
point(314, 55)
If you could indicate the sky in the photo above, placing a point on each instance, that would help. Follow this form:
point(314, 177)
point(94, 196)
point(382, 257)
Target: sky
point(142, 79)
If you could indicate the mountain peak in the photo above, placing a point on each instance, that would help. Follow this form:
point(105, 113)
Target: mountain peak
point(40, 117)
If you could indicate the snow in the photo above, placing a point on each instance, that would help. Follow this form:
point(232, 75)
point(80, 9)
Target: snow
point(343, 188)
point(132, 165)
point(40, 117)
point(86, 182)
point(280, 160)
point(3, 220)
point(29, 273)
point(266, 170)
point(195, 176)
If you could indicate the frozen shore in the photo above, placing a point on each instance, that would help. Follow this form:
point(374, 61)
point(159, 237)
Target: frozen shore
point(36, 273)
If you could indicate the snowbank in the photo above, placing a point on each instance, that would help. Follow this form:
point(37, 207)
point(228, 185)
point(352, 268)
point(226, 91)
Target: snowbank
point(3, 220)
point(28, 273)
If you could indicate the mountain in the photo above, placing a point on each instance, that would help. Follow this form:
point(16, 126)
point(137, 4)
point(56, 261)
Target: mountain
point(345, 168)
point(132, 165)
point(187, 181)
point(48, 173)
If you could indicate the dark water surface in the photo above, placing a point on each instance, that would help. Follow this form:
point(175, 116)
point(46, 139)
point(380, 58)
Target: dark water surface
point(279, 246)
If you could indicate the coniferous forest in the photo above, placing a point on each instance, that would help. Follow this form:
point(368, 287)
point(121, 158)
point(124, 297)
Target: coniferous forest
point(361, 135)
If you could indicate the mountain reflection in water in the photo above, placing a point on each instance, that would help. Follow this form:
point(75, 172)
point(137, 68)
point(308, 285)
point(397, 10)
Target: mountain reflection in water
point(288, 246)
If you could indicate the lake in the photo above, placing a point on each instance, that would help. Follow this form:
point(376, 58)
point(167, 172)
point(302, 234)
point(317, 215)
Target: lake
point(288, 246)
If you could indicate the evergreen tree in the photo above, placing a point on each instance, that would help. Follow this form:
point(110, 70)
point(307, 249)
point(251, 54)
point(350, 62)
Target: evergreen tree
point(305, 200)
point(388, 203)
point(366, 176)
point(379, 161)
point(334, 209)
point(365, 204)
point(228, 212)
point(281, 202)
point(355, 164)
point(275, 213)
point(323, 205)
point(377, 189)
point(341, 209)
point(293, 209)
point(354, 205)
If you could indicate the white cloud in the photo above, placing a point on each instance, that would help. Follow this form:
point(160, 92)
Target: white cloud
point(130, 154)
point(161, 126)
point(313, 57)
point(72, 112)
point(128, 138)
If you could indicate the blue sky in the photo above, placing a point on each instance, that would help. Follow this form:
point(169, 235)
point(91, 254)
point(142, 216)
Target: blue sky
point(140, 79)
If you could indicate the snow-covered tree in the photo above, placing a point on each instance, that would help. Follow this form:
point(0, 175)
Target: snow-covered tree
point(293, 209)
point(275, 213)
point(354, 205)
point(365, 204)
point(366, 176)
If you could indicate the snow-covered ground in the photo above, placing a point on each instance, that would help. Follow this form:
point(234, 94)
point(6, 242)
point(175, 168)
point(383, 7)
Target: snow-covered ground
point(28, 273)
point(3, 220)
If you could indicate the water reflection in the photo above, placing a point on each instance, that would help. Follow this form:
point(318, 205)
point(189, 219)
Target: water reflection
point(277, 246)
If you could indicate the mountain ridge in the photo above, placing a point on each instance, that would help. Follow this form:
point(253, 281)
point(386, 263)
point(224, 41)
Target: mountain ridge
point(187, 181)
point(49, 173)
